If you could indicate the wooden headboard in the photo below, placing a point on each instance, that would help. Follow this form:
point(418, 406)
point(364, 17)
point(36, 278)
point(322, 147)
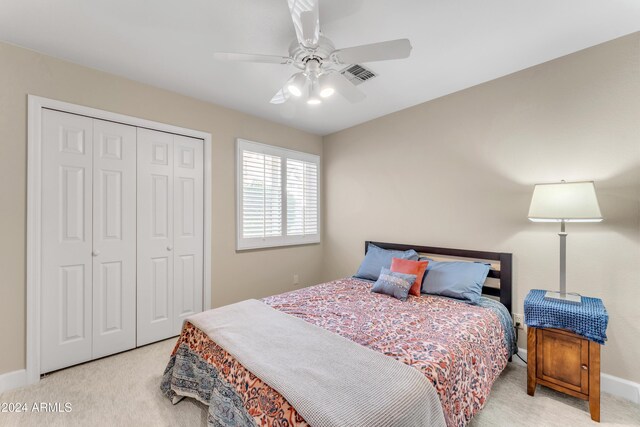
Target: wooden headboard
point(502, 271)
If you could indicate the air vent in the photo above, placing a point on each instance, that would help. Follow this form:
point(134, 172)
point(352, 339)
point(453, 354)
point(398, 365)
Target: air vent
point(357, 74)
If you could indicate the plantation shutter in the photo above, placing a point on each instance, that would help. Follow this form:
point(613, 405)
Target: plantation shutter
point(302, 198)
point(278, 196)
point(262, 195)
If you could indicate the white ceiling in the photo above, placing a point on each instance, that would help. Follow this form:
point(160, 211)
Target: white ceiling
point(456, 44)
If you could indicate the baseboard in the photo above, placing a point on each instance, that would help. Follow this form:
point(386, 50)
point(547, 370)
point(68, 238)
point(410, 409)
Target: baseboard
point(12, 380)
point(620, 387)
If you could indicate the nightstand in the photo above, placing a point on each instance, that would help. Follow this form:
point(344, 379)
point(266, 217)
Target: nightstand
point(565, 362)
point(563, 346)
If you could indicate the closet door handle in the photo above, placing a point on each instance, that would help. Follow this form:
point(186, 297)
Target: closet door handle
point(95, 253)
point(169, 247)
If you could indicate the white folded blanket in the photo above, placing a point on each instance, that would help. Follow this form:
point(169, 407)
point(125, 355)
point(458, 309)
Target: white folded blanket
point(329, 380)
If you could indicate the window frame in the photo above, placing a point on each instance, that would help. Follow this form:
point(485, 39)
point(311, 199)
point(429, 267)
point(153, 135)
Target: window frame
point(243, 243)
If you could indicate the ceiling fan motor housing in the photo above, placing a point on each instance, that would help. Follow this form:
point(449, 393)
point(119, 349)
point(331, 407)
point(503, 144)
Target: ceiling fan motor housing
point(301, 55)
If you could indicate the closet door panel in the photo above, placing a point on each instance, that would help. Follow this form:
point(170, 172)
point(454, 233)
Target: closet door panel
point(188, 228)
point(114, 238)
point(66, 293)
point(155, 236)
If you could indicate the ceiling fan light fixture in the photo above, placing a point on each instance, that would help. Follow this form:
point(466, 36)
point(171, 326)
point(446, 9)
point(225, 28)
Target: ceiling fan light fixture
point(327, 92)
point(314, 94)
point(326, 89)
point(296, 84)
point(293, 90)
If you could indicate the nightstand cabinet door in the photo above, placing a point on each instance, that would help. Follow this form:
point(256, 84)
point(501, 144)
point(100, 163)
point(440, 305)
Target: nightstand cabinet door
point(563, 359)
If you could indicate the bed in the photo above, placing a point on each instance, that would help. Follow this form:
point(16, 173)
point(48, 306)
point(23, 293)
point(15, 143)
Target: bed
point(460, 348)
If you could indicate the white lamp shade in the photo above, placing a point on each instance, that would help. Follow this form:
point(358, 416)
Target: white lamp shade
point(565, 201)
point(296, 84)
point(326, 89)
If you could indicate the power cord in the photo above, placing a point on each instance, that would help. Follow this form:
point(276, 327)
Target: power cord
point(517, 328)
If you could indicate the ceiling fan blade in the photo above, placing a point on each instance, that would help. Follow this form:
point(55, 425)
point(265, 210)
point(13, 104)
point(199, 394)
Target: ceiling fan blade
point(345, 88)
point(310, 27)
point(247, 57)
point(280, 97)
point(306, 21)
point(392, 49)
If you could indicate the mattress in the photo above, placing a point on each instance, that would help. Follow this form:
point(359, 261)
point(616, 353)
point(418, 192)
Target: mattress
point(460, 348)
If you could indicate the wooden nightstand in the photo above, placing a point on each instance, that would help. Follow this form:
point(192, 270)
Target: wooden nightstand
point(565, 362)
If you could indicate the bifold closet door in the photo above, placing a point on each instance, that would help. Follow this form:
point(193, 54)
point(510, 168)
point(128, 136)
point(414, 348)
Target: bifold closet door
point(170, 233)
point(66, 284)
point(188, 230)
point(88, 300)
point(114, 238)
point(155, 231)
point(122, 237)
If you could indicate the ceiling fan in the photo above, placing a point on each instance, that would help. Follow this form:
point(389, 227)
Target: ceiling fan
point(318, 59)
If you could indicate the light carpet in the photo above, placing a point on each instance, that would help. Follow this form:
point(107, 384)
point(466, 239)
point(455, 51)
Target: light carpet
point(124, 390)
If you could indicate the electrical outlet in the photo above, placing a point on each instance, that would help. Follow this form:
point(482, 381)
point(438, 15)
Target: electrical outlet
point(296, 279)
point(518, 319)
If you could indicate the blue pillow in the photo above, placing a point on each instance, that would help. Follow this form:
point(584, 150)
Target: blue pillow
point(377, 258)
point(395, 284)
point(455, 279)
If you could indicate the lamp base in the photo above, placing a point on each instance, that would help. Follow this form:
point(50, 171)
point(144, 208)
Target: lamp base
point(570, 298)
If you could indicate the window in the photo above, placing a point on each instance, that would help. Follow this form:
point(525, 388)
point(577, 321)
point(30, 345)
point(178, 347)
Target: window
point(278, 196)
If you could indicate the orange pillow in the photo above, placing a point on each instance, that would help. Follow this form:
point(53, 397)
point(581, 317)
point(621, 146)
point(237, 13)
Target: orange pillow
point(408, 266)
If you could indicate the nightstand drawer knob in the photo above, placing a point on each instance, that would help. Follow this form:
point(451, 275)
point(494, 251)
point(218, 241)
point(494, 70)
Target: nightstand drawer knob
point(585, 367)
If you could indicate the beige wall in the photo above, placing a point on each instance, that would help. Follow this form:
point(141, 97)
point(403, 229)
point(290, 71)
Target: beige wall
point(235, 276)
point(459, 172)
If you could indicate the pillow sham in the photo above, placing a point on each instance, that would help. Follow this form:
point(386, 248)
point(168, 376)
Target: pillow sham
point(407, 266)
point(455, 279)
point(394, 284)
point(376, 258)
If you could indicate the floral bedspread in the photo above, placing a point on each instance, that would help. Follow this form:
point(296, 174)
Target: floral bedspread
point(461, 348)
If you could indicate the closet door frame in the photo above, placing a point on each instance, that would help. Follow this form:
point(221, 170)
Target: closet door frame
point(36, 105)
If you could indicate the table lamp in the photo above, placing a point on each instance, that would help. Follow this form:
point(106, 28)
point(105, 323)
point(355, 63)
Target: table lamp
point(564, 202)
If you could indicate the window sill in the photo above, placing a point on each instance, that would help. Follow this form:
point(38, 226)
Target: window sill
point(254, 247)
